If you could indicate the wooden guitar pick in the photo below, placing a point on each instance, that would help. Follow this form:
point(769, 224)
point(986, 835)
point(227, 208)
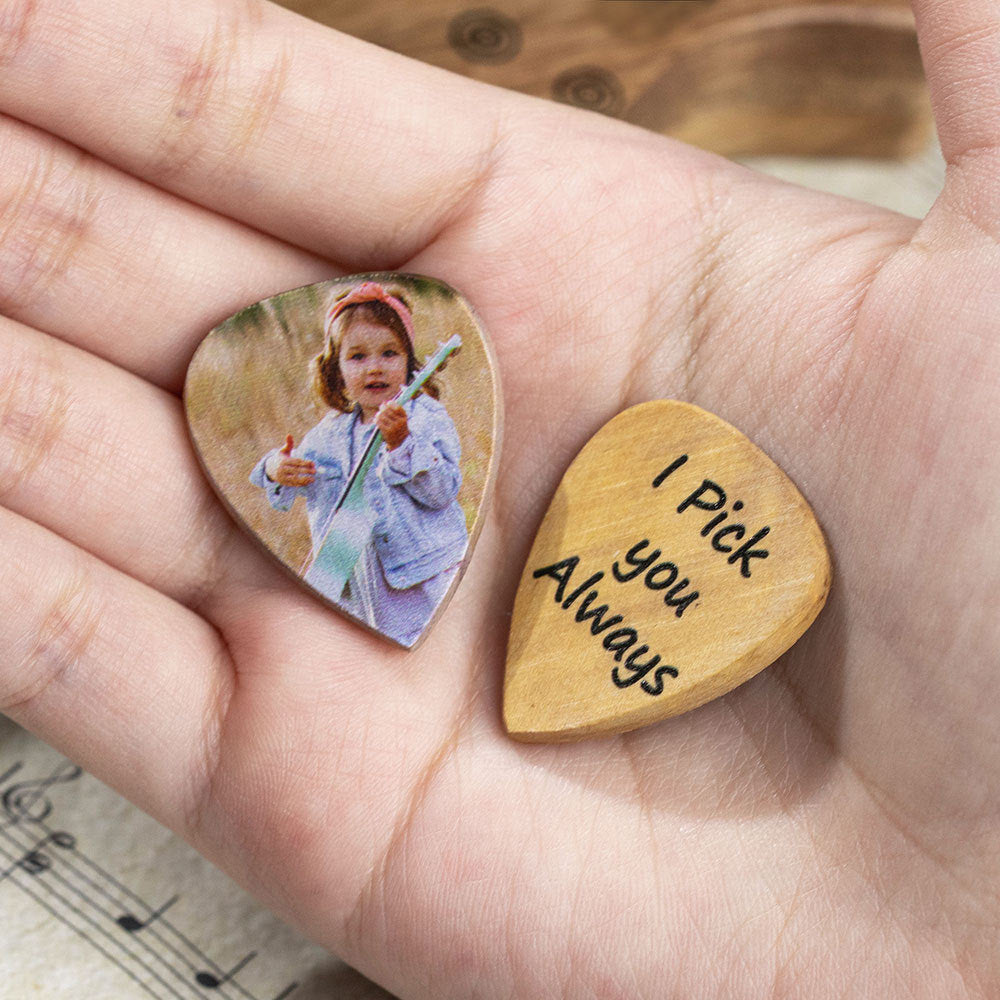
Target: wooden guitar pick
point(383, 530)
point(676, 560)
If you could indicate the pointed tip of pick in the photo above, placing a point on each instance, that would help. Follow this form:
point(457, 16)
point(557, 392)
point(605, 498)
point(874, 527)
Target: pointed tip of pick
point(526, 725)
point(516, 726)
point(521, 726)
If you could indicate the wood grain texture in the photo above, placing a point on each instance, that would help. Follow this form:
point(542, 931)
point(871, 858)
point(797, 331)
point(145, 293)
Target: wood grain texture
point(676, 560)
point(740, 77)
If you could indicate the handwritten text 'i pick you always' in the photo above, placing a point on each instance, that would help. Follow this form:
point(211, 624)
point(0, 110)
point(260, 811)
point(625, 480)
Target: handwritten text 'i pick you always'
point(635, 662)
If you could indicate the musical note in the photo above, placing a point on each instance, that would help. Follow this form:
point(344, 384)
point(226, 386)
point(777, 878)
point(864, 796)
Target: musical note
point(212, 982)
point(26, 800)
point(129, 922)
point(33, 861)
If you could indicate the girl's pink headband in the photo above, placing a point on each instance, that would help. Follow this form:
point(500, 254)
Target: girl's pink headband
point(371, 291)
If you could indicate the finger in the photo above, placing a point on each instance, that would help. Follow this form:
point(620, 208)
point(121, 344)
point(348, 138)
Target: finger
point(322, 139)
point(135, 275)
point(104, 459)
point(289, 444)
point(126, 682)
point(960, 43)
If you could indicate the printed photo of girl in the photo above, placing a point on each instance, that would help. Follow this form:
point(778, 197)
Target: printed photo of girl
point(351, 426)
point(417, 533)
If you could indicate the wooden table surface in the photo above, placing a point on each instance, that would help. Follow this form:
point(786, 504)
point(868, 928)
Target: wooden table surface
point(741, 77)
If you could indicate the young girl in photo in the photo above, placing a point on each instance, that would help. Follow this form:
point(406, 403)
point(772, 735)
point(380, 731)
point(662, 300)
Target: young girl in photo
point(419, 535)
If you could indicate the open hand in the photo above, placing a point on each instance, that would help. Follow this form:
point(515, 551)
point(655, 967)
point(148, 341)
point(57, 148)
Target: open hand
point(289, 471)
point(829, 829)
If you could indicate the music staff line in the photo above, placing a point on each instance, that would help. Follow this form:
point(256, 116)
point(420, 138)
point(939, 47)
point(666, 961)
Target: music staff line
point(19, 802)
point(19, 809)
point(87, 919)
point(37, 897)
point(212, 976)
point(57, 874)
point(123, 912)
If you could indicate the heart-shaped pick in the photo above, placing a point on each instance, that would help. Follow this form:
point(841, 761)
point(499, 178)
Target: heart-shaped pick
point(351, 427)
point(676, 560)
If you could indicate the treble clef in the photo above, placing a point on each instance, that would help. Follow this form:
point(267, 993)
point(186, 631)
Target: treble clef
point(27, 800)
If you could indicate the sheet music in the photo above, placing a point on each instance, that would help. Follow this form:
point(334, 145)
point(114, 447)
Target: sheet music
point(98, 900)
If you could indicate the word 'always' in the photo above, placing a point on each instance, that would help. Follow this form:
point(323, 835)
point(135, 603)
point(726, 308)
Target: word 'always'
point(617, 640)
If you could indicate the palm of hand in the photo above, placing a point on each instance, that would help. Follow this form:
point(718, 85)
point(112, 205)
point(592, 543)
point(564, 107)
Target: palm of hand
point(370, 795)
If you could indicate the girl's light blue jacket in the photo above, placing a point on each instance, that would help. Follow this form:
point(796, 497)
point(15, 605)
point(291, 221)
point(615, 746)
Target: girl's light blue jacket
point(420, 528)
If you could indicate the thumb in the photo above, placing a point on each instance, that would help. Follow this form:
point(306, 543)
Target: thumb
point(289, 444)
